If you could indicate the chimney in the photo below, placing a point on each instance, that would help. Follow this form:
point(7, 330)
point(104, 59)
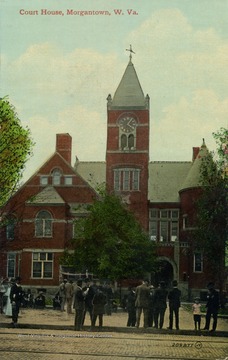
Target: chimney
point(195, 152)
point(64, 146)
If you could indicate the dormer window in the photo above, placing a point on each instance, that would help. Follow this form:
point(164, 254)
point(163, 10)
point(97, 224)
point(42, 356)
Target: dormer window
point(56, 177)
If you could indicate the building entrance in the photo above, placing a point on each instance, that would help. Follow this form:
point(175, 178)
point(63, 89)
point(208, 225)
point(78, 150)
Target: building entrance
point(163, 272)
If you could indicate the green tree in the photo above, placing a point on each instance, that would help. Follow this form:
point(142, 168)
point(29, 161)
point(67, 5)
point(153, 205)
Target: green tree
point(110, 242)
point(212, 207)
point(15, 149)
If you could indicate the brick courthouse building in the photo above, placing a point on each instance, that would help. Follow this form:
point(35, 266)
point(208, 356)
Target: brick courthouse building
point(161, 194)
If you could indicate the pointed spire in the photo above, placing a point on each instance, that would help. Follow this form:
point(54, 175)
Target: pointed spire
point(193, 177)
point(129, 93)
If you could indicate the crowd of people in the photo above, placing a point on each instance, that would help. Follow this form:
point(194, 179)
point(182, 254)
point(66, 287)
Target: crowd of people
point(152, 303)
point(90, 297)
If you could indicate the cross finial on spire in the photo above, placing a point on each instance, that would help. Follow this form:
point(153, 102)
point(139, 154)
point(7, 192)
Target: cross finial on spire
point(131, 52)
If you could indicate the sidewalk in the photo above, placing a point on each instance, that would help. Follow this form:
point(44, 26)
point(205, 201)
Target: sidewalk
point(57, 320)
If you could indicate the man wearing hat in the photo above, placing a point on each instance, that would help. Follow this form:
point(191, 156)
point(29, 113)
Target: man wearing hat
point(212, 306)
point(160, 298)
point(16, 296)
point(174, 305)
point(79, 305)
point(142, 295)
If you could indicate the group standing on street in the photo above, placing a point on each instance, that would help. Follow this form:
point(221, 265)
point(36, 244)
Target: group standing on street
point(145, 304)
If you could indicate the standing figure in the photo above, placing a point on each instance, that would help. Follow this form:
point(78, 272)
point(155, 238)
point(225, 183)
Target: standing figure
point(2, 292)
point(151, 307)
point(131, 309)
point(142, 302)
point(196, 309)
point(99, 302)
point(174, 305)
point(79, 305)
point(69, 293)
point(109, 297)
point(8, 307)
point(160, 305)
point(16, 299)
point(91, 289)
point(212, 307)
point(62, 294)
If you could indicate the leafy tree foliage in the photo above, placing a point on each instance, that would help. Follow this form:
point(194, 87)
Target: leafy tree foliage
point(15, 148)
point(212, 217)
point(110, 242)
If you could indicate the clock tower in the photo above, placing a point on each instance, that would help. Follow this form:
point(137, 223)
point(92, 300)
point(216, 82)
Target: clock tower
point(127, 153)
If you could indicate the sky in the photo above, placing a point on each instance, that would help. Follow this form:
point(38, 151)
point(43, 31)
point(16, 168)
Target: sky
point(58, 67)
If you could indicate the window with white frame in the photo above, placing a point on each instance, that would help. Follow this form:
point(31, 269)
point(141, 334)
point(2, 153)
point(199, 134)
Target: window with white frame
point(198, 262)
point(68, 180)
point(126, 179)
point(11, 265)
point(43, 180)
point(164, 224)
point(42, 265)
point(56, 177)
point(43, 224)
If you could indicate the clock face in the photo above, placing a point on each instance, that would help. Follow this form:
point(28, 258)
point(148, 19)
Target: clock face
point(127, 124)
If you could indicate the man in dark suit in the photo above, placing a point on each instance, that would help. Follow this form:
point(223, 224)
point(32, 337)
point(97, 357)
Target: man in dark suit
point(174, 305)
point(142, 295)
point(16, 295)
point(79, 305)
point(160, 298)
point(212, 307)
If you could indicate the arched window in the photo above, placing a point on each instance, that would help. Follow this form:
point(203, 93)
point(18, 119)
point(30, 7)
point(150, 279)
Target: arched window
point(123, 141)
point(131, 141)
point(43, 224)
point(56, 177)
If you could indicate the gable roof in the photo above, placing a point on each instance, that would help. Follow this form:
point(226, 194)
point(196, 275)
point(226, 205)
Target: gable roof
point(47, 196)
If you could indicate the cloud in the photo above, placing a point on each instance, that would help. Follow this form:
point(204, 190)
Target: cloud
point(189, 121)
point(182, 68)
point(54, 78)
point(184, 72)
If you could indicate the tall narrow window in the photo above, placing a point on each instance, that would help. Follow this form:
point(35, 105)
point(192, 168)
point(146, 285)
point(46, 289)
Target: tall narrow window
point(164, 230)
point(123, 141)
point(198, 262)
point(43, 224)
point(135, 179)
point(56, 177)
point(10, 228)
point(11, 265)
point(126, 180)
point(117, 180)
point(131, 141)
